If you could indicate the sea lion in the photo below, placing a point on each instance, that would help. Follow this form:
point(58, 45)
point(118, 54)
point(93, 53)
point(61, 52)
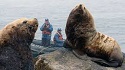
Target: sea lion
point(83, 38)
point(15, 38)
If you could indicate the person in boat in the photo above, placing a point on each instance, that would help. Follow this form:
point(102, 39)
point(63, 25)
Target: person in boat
point(46, 29)
point(58, 38)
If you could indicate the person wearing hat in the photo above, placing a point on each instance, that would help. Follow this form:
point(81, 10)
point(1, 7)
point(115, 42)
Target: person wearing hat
point(46, 29)
point(58, 39)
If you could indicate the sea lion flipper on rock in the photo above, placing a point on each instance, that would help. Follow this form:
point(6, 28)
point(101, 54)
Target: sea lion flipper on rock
point(66, 44)
point(80, 54)
point(105, 63)
point(82, 35)
point(83, 56)
point(115, 59)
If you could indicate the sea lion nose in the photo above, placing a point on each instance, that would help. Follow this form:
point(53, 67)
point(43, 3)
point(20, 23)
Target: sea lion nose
point(35, 18)
point(36, 24)
point(80, 6)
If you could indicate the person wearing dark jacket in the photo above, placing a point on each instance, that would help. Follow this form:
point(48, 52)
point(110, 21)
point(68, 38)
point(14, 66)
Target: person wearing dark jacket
point(58, 39)
point(46, 29)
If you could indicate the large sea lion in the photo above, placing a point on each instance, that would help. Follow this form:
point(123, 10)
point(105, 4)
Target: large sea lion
point(83, 38)
point(15, 38)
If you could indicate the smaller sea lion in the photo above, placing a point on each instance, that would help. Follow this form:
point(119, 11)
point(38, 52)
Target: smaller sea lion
point(15, 39)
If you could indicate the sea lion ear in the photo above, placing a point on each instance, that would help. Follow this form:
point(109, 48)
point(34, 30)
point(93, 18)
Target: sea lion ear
point(25, 21)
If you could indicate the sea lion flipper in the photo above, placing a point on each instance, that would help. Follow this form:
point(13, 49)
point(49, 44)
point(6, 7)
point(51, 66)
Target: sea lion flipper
point(79, 54)
point(66, 44)
point(105, 63)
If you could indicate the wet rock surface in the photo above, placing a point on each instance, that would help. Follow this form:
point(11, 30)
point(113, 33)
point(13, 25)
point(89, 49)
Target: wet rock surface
point(64, 59)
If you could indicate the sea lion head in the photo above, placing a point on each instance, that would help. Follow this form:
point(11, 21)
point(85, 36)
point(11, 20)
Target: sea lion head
point(19, 31)
point(80, 25)
point(80, 21)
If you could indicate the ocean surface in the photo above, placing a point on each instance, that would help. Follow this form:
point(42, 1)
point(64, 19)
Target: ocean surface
point(109, 15)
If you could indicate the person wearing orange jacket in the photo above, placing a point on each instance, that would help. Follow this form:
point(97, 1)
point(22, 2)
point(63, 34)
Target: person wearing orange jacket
point(58, 39)
point(46, 29)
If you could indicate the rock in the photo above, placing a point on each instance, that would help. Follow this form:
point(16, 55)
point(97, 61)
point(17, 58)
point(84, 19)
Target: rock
point(64, 59)
point(38, 49)
point(38, 42)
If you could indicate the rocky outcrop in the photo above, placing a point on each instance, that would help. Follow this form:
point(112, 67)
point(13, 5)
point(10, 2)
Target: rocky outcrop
point(64, 59)
point(38, 49)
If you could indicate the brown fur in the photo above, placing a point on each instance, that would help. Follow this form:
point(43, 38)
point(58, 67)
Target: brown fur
point(82, 35)
point(16, 37)
point(76, 30)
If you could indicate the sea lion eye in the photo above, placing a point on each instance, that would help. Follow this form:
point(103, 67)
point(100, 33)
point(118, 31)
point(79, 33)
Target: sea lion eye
point(25, 21)
point(84, 8)
point(13, 26)
point(36, 25)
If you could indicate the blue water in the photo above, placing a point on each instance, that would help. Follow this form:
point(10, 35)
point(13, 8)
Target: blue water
point(108, 14)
